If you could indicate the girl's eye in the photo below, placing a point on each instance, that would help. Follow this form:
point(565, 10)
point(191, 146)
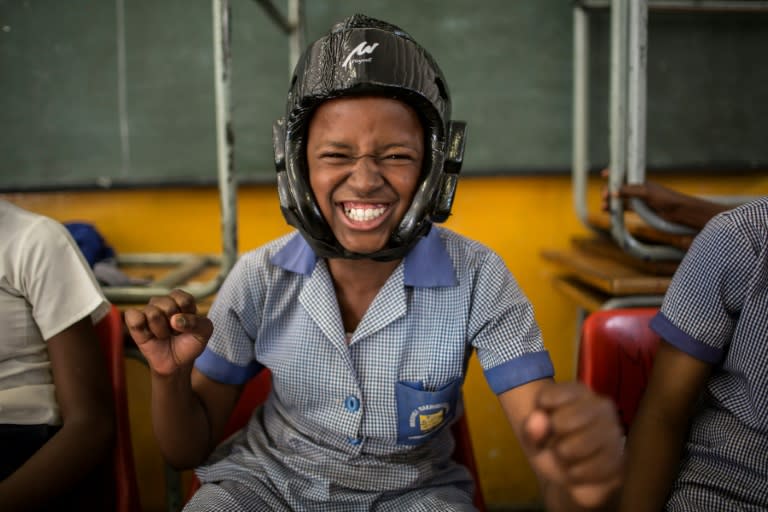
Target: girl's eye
point(396, 159)
point(335, 156)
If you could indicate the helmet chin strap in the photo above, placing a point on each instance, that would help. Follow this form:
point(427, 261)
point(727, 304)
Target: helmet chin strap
point(326, 250)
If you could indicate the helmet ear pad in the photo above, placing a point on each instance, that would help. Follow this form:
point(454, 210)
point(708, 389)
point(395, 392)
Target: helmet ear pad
point(297, 201)
point(454, 158)
point(434, 198)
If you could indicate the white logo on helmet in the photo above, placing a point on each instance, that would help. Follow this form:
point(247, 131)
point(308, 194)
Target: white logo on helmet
point(361, 51)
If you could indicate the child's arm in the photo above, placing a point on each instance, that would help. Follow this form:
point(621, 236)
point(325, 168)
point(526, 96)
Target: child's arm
point(658, 432)
point(673, 206)
point(189, 410)
point(87, 432)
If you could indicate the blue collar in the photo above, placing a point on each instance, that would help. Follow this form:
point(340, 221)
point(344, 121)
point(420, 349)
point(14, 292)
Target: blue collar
point(427, 265)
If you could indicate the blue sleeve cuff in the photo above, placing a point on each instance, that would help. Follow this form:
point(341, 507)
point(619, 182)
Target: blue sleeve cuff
point(519, 371)
point(219, 369)
point(683, 341)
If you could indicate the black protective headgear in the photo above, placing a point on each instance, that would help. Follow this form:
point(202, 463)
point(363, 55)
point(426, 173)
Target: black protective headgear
point(364, 56)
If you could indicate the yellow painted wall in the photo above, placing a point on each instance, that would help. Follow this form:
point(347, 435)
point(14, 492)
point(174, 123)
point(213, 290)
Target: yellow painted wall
point(516, 216)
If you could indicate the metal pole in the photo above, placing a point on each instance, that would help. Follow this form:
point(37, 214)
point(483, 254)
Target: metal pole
point(274, 13)
point(618, 102)
point(638, 60)
point(225, 142)
point(637, 51)
point(580, 127)
point(296, 41)
point(630, 21)
point(689, 5)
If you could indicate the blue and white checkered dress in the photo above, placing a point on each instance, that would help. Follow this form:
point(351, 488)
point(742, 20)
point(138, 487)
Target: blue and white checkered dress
point(716, 310)
point(361, 425)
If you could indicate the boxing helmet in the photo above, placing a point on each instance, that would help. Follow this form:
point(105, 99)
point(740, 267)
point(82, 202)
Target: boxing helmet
point(364, 56)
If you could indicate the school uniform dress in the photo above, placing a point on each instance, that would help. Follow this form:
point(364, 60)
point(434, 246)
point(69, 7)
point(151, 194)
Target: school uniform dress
point(357, 421)
point(45, 287)
point(716, 310)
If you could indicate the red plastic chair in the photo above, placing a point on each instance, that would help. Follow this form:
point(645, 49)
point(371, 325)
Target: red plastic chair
point(464, 454)
point(110, 332)
point(616, 355)
point(257, 389)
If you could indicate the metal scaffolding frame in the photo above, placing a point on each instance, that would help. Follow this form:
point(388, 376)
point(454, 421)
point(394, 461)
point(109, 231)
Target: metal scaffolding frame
point(189, 265)
point(628, 46)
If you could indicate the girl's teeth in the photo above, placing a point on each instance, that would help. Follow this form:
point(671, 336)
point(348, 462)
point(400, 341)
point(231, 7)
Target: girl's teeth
point(363, 214)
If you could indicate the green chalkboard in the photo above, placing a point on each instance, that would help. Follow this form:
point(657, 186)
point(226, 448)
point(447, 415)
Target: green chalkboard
point(99, 93)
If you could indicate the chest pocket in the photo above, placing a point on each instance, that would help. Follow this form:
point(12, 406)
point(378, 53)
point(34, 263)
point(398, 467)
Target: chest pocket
point(421, 414)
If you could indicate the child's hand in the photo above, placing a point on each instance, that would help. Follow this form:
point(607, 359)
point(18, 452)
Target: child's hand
point(668, 204)
point(576, 443)
point(169, 332)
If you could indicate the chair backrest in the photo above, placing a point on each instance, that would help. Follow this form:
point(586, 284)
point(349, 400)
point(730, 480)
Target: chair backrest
point(257, 389)
point(616, 355)
point(110, 332)
point(464, 454)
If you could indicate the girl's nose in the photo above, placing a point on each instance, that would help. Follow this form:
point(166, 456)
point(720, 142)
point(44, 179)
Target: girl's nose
point(365, 173)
